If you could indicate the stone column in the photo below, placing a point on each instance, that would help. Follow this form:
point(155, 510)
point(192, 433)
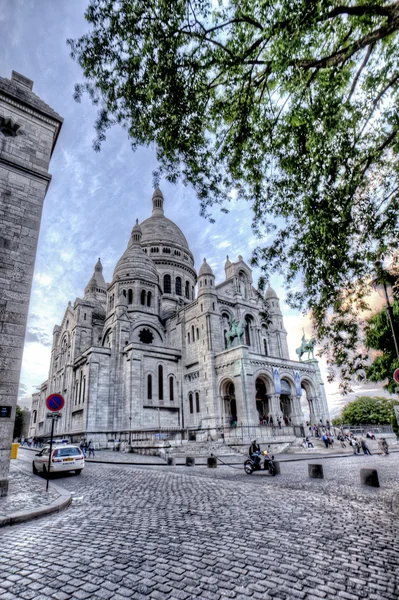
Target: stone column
point(275, 409)
point(28, 133)
point(297, 417)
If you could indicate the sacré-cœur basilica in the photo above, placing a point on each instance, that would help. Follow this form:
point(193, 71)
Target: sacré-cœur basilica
point(163, 346)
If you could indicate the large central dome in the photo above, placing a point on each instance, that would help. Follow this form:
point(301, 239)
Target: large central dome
point(160, 230)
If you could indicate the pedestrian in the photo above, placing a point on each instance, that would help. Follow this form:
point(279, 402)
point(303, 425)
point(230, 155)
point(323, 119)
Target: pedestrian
point(90, 448)
point(365, 448)
point(325, 439)
point(384, 446)
point(330, 441)
point(82, 446)
point(309, 443)
point(271, 420)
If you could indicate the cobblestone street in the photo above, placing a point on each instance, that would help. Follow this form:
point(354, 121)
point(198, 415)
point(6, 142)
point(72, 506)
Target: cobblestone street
point(178, 533)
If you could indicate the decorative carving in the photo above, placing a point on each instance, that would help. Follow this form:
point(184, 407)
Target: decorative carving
point(9, 128)
point(192, 376)
point(146, 336)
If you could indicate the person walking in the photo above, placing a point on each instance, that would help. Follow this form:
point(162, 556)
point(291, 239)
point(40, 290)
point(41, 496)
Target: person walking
point(90, 448)
point(365, 448)
point(325, 439)
point(82, 446)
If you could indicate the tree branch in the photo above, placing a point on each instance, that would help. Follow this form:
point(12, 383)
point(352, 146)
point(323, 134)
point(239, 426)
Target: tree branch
point(364, 63)
point(390, 11)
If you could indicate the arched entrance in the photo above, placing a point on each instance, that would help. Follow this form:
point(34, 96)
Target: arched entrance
point(262, 401)
point(229, 402)
point(285, 400)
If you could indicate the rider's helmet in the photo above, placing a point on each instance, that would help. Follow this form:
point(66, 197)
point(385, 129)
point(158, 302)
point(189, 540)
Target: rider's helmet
point(265, 453)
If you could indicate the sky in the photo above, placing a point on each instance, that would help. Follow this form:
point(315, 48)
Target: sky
point(95, 198)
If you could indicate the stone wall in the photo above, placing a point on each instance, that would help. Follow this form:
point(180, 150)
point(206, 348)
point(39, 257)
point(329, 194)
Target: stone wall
point(28, 133)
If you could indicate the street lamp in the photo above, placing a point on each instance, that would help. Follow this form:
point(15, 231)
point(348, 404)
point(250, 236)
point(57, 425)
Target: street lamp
point(384, 289)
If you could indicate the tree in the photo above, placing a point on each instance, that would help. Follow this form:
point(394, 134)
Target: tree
point(367, 410)
point(18, 423)
point(291, 105)
point(379, 337)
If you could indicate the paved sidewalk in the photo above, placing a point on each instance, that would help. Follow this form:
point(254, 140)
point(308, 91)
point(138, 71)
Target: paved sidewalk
point(27, 498)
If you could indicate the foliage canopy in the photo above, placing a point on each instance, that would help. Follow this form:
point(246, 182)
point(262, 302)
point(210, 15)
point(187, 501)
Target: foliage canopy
point(291, 104)
point(379, 337)
point(367, 410)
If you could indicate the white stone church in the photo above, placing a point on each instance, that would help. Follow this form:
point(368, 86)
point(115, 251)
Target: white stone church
point(155, 348)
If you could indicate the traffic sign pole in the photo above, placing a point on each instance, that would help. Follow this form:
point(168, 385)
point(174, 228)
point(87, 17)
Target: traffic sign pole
point(54, 403)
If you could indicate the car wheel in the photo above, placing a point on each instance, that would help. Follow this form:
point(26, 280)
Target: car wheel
point(248, 468)
point(35, 471)
point(78, 471)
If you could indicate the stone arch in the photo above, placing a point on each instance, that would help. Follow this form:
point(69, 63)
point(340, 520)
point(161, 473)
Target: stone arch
point(107, 338)
point(228, 394)
point(264, 389)
point(308, 397)
point(287, 396)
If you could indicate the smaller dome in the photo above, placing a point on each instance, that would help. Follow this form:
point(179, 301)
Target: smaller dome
point(157, 202)
point(270, 293)
point(134, 263)
point(205, 269)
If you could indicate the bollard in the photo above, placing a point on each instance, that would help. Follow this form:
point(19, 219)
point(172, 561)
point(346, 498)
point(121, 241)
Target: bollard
point(171, 461)
point(212, 462)
point(278, 469)
point(315, 471)
point(190, 461)
point(369, 477)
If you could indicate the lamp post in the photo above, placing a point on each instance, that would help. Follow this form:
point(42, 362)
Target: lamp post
point(384, 289)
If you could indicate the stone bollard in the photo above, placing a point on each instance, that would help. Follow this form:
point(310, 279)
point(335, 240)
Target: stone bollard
point(315, 471)
point(278, 469)
point(190, 461)
point(212, 462)
point(171, 461)
point(369, 477)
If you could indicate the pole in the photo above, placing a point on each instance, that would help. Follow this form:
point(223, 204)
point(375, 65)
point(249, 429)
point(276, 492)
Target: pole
point(390, 317)
point(51, 447)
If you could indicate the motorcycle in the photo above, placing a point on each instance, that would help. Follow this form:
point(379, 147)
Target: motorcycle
point(254, 463)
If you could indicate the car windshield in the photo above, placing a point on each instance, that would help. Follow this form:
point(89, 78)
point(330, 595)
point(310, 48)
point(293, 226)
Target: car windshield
point(67, 452)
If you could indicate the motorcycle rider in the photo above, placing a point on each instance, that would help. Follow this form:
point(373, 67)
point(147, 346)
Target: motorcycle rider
point(254, 451)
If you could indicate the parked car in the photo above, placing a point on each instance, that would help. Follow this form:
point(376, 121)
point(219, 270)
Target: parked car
point(63, 458)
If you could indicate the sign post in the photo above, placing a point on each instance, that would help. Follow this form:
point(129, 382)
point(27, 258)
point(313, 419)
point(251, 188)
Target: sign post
point(54, 403)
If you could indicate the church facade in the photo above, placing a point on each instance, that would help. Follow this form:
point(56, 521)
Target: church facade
point(163, 346)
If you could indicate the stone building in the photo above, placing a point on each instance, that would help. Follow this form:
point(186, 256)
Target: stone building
point(29, 129)
point(164, 346)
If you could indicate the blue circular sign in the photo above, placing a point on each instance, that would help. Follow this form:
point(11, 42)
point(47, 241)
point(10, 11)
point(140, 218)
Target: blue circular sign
point(55, 402)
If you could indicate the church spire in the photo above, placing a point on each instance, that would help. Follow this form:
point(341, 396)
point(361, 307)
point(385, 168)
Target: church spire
point(96, 286)
point(157, 203)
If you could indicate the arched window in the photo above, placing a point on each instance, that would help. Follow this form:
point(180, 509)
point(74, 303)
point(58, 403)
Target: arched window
point(225, 339)
point(187, 290)
point(188, 337)
point(143, 297)
point(265, 347)
point(160, 382)
point(167, 284)
point(197, 406)
point(129, 296)
point(149, 387)
point(171, 390)
point(178, 286)
point(248, 321)
point(190, 400)
point(192, 292)
point(34, 416)
point(192, 333)
point(149, 298)
point(197, 333)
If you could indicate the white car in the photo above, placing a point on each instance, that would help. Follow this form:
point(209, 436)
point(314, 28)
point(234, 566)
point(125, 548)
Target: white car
point(63, 458)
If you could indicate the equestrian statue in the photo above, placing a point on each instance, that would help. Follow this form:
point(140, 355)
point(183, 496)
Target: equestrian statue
point(306, 346)
point(236, 330)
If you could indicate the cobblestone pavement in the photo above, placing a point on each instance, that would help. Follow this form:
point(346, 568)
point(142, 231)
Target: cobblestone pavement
point(167, 533)
point(19, 498)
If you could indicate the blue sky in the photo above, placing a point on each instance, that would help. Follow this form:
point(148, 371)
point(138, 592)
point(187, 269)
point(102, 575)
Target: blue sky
point(95, 198)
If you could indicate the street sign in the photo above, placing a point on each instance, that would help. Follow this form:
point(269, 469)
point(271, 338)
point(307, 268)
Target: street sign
point(55, 402)
point(54, 415)
point(396, 375)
